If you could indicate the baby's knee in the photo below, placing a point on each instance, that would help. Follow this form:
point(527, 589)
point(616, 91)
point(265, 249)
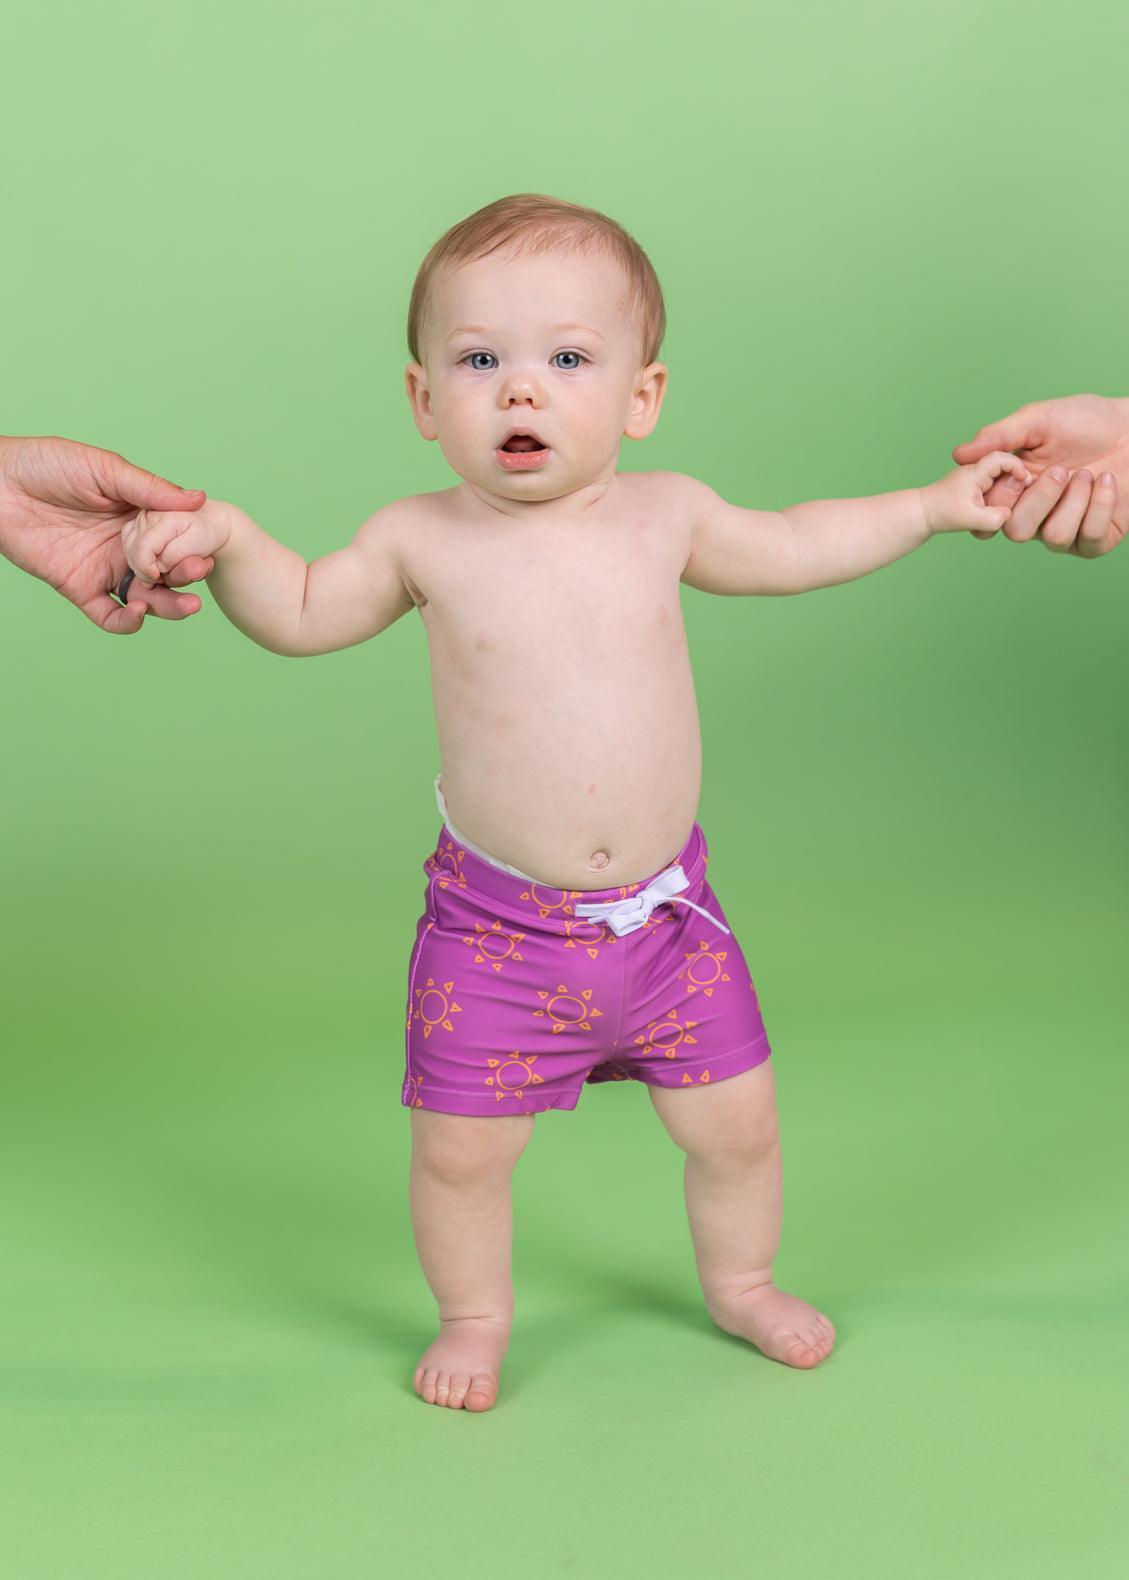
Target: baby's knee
point(740, 1134)
point(745, 1147)
point(463, 1148)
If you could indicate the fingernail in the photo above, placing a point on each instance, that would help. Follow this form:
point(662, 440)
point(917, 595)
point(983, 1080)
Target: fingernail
point(1087, 477)
point(1058, 473)
point(1107, 479)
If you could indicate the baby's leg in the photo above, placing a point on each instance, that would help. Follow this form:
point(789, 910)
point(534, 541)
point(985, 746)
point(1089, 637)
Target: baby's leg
point(463, 1220)
point(729, 1132)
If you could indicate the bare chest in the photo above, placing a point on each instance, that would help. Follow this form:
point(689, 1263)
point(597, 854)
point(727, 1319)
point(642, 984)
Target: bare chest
point(535, 592)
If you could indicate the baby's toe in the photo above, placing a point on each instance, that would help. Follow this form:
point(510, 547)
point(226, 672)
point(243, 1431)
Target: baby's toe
point(460, 1384)
point(428, 1383)
point(803, 1350)
point(483, 1392)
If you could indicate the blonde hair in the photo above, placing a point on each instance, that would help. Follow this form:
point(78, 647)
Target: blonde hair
point(531, 222)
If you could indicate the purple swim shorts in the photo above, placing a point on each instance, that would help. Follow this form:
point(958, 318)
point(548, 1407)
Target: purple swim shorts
point(517, 995)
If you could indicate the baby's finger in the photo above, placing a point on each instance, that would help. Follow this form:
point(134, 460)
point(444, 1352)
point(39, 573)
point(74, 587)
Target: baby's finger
point(179, 536)
point(991, 466)
point(995, 516)
point(147, 540)
point(1004, 491)
point(138, 557)
point(142, 552)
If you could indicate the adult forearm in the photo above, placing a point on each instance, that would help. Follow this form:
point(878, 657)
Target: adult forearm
point(839, 539)
point(1121, 457)
point(260, 585)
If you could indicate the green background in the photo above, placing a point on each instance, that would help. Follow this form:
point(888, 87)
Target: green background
point(876, 229)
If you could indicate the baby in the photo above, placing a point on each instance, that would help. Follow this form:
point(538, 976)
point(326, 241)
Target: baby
point(569, 933)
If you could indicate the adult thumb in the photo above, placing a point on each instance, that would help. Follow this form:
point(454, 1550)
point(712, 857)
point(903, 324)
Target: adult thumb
point(1016, 432)
point(135, 486)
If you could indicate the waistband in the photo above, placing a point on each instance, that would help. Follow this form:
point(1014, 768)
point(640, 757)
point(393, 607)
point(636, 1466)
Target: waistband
point(623, 906)
point(461, 839)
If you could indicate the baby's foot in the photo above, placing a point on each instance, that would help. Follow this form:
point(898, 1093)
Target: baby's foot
point(782, 1327)
point(461, 1368)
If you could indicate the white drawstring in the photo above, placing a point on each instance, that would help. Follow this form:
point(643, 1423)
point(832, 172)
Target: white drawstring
point(624, 916)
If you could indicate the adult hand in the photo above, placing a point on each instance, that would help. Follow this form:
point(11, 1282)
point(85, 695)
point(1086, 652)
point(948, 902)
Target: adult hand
point(1078, 447)
point(62, 507)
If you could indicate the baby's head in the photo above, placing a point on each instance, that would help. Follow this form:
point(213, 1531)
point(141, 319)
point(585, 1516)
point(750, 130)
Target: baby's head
point(537, 314)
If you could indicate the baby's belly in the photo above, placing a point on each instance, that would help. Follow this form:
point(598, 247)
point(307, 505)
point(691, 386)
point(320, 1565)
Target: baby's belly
point(586, 776)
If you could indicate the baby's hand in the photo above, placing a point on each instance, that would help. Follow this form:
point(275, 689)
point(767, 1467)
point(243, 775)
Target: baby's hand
point(157, 542)
point(956, 502)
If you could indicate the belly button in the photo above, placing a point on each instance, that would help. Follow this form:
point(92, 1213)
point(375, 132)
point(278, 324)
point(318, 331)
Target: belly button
point(599, 859)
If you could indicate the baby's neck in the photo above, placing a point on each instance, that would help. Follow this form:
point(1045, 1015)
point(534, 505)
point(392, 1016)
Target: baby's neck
point(566, 507)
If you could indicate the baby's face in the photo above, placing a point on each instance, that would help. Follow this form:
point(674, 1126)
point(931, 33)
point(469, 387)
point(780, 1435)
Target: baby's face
point(543, 343)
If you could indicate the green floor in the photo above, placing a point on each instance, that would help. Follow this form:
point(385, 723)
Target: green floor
point(213, 1312)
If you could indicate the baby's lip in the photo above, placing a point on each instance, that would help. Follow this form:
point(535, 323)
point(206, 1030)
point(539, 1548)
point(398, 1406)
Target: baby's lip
point(527, 433)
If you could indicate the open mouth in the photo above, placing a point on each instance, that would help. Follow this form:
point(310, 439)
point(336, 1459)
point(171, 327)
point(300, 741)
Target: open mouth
point(521, 452)
point(522, 444)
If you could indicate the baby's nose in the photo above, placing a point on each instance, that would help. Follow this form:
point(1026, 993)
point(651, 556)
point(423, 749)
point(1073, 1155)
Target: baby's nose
point(521, 386)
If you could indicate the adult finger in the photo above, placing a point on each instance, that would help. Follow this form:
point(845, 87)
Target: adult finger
point(1031, 507)
point(119, 479)
point(1022, 430)
point(1004, 491)
point(1092, 540)
point(108, 613)
point(1060, 527)
point(165, 603)
point(194, 568)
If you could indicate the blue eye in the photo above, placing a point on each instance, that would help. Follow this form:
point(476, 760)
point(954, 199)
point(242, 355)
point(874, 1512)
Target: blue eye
point(470, 356)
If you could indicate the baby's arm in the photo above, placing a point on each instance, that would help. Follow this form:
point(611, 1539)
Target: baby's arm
point(268, 590)
point(817, 544)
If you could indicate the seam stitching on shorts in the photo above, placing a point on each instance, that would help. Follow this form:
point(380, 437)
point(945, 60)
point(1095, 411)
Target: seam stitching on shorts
point(432, 913)
point(457, 1091)
point(622, 1000)
point(721, 1060)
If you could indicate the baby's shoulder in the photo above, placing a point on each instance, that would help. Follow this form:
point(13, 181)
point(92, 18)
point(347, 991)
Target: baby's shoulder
point(680, 483)
point(400, 521)
point(673, 498)
point(415, 510)
point(675, 490)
